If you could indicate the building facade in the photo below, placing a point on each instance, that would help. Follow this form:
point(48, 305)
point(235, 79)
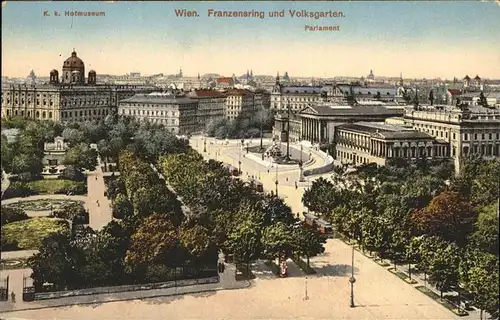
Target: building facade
point(210, 106)
point(467, 130)
point(176, 113)
point(294, 97)
point(70, 97)
point(374, 142)
point(241, 102)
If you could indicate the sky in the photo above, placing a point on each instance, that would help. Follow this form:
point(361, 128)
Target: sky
point(418, 39)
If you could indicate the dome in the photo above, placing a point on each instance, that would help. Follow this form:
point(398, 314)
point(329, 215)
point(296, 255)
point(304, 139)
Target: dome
point(73, 62)
point(54, 71)
point(92, 72)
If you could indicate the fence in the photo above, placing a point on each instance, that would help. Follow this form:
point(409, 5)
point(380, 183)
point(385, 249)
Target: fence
point(125, 288)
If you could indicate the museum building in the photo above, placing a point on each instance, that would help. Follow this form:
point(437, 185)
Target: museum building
point(69, 97)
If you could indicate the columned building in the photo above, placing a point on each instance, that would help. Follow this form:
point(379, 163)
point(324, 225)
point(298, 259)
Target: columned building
point(373, 142)
point(70, 97)
point(320, 120)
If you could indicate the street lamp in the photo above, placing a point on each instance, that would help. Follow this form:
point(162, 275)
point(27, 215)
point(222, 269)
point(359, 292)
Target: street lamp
point(352, 279)
point(205, 145)
point(288, 135)
point(248, 145)
point(261, 128)
point(276, 180)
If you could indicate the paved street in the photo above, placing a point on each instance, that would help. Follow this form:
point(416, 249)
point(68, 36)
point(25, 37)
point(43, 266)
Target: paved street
point(378, 295)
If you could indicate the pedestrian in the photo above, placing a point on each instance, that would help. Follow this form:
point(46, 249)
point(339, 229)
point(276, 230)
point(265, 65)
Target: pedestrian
point(286, 179)
point(13, 297)
point(296, 185)
point(96, 177)
point(267, 170)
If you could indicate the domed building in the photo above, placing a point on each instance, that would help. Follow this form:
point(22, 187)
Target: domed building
point(73, 70)
point(67, 97)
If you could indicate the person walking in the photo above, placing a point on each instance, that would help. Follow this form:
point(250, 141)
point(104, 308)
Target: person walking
point(296, 185)
point(13, 297)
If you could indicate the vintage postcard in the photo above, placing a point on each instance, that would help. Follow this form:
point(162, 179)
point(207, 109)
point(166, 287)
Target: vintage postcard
point(250, 160)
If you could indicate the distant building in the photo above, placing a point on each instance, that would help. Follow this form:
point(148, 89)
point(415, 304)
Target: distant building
point(374, 142)
point(318, 121)
point(241, 102)
point(210, 106)
point(70, 97)
point(226, 82)
point(465, 130)
point(176, 113)
point(294, 97)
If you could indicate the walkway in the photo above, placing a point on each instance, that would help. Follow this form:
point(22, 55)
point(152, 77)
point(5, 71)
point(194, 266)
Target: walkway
point(227, 282)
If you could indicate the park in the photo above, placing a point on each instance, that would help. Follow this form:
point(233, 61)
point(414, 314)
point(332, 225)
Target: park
point(171, 212)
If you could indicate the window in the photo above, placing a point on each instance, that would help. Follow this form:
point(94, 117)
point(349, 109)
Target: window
point(454, 135)
point(466, 136)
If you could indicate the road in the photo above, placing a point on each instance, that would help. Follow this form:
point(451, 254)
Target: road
point(378, 294)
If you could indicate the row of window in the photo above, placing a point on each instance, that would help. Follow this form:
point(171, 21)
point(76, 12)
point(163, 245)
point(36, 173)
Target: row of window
point(98, 112)
point(152, 113)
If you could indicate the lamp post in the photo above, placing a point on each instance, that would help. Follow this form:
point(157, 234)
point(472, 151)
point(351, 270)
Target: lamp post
point(276, 180)
point(261, 129)
point(352, 279)
point(248, 145)
point(205, 145)
point(288, 134)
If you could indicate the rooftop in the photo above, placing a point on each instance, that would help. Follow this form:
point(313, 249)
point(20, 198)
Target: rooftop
point(158, 98)
point(329, 109)
point(385, 131)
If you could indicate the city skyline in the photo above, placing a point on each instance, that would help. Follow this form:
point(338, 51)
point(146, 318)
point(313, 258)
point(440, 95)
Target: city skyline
point(419, 40)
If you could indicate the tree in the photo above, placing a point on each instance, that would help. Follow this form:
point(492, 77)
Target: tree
point(443, 267)
point(25, 162)
point(244, 242)
point(73, 173)
point(431, 97)
point(307, 242)
point(277, 241)
point(485, 236)
point(479, 273)
point(197, 240)
point(121, 207)
point(153, 242)
point(275, 210)
point(81, 156)
point(57, 262)
point(320, 197)
point(448, 216)
point(437, 258)
point(73, 136)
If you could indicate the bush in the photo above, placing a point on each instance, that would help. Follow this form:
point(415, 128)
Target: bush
point(17, 190)
point(29, 233)
point(57, 186)
point(26, 177)
point(12, 215)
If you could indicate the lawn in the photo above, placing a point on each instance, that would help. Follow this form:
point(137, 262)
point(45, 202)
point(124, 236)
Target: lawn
point(54, 186)
point(28, 234)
